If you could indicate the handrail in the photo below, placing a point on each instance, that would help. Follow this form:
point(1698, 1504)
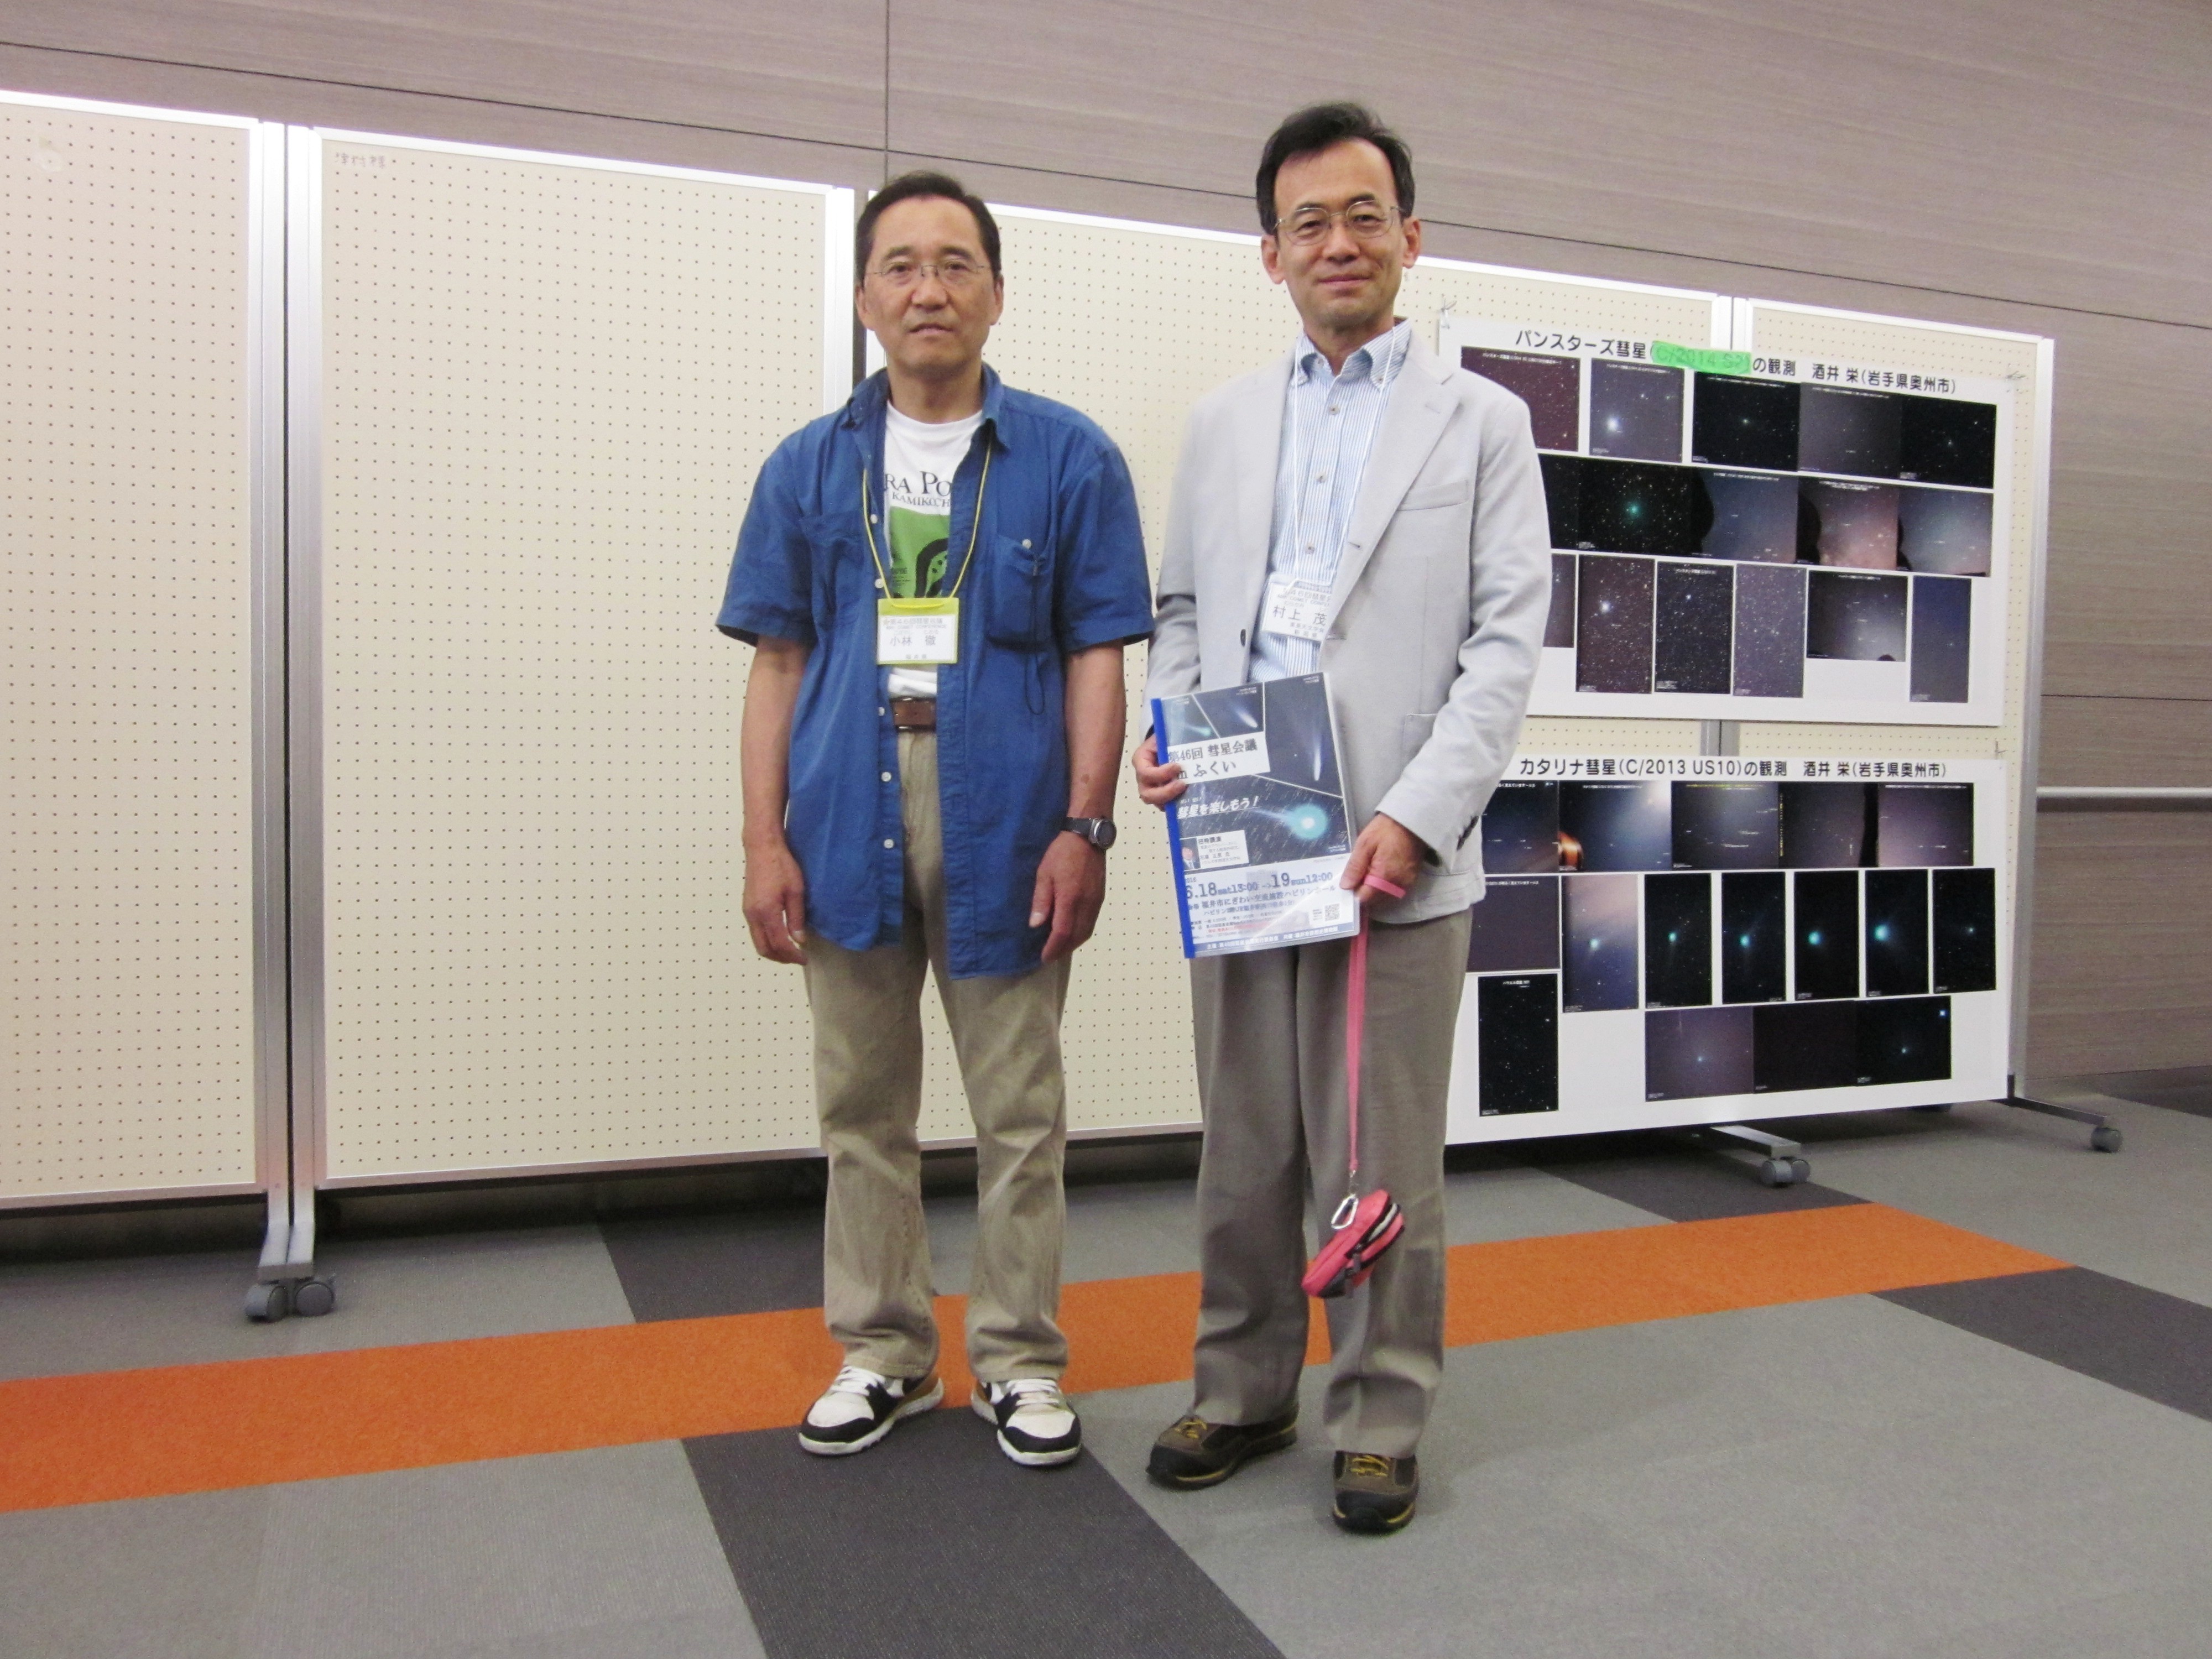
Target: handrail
point(2119, 797)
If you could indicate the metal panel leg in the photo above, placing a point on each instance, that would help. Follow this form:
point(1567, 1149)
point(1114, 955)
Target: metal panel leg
point(1783, 1164)
point(2104, 1134)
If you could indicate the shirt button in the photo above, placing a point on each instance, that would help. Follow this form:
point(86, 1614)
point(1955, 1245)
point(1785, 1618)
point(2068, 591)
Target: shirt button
point(879, 709)
point(887, 778)
point(1025, 542)
point(890, 844)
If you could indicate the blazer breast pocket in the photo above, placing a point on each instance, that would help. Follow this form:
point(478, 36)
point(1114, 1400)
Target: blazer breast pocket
point(1453, 492)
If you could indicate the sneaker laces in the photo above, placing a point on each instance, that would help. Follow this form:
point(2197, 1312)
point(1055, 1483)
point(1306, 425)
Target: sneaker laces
point(857, 1379)
point(1190, 1428)
point(1038, 1390)
point(1361, 1466)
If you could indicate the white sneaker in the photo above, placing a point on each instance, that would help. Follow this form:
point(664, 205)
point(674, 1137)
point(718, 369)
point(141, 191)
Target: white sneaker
point(860, 1407)
point(1037, 1427)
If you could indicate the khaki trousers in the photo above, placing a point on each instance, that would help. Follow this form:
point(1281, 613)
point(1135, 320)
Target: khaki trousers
point(1270, 1028)
point(868, 1081)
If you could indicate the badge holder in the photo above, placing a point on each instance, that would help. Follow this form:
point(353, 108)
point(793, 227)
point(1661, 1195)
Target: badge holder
point(1363, 1227)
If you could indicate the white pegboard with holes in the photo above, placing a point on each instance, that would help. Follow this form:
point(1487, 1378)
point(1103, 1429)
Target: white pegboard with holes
point(124, 569)
point(548, 386)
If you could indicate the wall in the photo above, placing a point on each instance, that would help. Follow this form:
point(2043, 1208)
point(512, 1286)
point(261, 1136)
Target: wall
point(2034, 166)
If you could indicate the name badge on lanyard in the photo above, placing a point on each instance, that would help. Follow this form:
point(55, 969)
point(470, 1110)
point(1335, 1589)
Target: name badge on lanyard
point(916, 632)
point(1295, 608)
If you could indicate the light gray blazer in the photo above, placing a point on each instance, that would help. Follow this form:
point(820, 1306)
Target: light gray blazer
point(1438, 611)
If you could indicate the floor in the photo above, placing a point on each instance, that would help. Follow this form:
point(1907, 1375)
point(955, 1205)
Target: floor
point(1954, 1399)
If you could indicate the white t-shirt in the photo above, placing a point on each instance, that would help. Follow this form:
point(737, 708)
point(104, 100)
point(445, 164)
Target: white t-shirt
point(920, 459)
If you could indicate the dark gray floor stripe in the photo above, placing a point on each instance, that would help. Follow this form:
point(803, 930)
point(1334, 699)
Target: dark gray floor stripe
point(2145, 1342)
point(1660, 1174)
point(932, 1546)
point(691, 1267)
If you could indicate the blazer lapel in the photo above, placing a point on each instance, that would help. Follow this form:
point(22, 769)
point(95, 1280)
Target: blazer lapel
point(1258, 444)
point(1413, 420)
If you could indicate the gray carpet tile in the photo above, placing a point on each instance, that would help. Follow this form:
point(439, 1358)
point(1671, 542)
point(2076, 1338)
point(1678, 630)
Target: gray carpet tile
point(730, 1261)
point(1661, 1174)
point(2145, 1342)
point(932, 1546)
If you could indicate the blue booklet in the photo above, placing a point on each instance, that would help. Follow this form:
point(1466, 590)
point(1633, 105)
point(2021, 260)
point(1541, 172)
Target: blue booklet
point(1260, 837)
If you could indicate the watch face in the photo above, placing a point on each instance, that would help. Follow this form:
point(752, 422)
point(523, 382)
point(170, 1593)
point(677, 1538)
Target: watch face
point(1102, 833)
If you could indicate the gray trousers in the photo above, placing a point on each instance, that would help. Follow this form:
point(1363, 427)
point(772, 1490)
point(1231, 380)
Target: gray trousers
point(1270, 1026)
point(867, 1082)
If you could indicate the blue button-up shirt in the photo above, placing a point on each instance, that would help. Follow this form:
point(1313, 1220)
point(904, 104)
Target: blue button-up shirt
point(1059, 567)
point(1329, 423)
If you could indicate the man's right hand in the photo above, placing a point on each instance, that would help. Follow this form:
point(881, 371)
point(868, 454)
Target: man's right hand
point(775, 903)
point(1156, 785)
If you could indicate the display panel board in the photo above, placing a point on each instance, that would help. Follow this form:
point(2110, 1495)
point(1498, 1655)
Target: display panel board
point(1738, 536)
point(545, 385)
point(133, 387)
point(1669, 940)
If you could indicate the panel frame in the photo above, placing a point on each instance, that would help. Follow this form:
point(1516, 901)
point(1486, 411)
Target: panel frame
point(264, 388)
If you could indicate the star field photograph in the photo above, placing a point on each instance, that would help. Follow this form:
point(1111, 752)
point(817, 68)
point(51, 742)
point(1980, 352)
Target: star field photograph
point(1897, 933)
point(1517, 1044)
point(1946, 533)
point(1521, 831)
point(1949, 440)
point(1907, 1040)
point(1942, 638)
point(1694, 1054)
point(1727, 826)
point(1965, 904)
point(1852, 617)
point(1770, 631)
point(1695, 609)
point(1804, 1045)
point(1560, 625)
point(1551, 386)
point(1843, 430)
point(1597, 943)
point(1678, 941)
point(1636, 411)
point(1516, 926)
point(1613, 625)
point(1563, 497)
point(1754, 517)
point(1616, 826)
point(1923, 825)
point(1739, 421)
point(1827, 826)
point(1856, 526)
point(1754, 938)
point(1633, 506)
point(1825, 903)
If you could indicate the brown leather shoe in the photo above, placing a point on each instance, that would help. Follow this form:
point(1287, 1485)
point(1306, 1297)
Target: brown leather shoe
point(1194, 1453)
point(1375, 1494)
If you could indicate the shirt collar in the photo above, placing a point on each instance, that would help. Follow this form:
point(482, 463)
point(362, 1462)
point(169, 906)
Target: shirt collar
point(1379, 359)
point(865, 408)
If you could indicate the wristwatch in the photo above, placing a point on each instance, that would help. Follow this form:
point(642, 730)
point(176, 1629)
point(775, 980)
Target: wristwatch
point(1099, 832)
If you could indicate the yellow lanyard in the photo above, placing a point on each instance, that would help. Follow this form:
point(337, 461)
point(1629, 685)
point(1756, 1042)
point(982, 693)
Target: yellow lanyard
point(868, 528)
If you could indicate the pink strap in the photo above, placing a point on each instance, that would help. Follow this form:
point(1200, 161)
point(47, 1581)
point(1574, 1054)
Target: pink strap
point(1355, 1015)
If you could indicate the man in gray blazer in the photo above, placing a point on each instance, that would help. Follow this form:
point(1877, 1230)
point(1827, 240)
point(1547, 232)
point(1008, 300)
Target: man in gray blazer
point(1361, 508)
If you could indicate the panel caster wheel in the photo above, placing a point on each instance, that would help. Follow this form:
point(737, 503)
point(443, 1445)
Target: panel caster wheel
point(314, 1297)
point(2104, 1137)
point(269, 1300)
point(1779, 1171)
point(1804, 1171)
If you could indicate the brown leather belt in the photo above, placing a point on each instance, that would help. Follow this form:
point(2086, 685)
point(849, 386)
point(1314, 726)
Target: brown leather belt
point(915, 713)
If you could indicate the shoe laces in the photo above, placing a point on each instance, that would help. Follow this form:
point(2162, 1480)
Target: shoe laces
point(1361, 1466)
point(857, 1379)
point(1190, 1428)
point(1042, 1390)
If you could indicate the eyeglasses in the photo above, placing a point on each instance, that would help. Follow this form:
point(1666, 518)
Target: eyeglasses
point(955, 270)
point(1368, 222)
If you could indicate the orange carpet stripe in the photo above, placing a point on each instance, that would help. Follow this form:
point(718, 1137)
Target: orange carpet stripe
point(108, 1435)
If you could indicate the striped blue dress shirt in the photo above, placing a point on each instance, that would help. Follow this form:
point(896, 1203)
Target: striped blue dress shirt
point(1329, 423)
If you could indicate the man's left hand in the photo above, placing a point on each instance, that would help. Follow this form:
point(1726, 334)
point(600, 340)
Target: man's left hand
point(1071, 885)
point(1386, 848)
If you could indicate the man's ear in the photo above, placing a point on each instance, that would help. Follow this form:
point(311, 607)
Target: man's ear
point(1270, 258)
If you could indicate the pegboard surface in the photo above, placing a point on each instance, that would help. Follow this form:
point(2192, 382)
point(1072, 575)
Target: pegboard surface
point(124, 602)
point(1932, 348)
point(548, 389)
point(1131, 325)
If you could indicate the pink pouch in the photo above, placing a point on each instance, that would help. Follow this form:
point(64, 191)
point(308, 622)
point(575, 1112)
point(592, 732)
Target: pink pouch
point(1363, 1227)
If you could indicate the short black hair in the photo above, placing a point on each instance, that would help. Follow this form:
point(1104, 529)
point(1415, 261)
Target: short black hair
point(912, 186)
point(1315, 129)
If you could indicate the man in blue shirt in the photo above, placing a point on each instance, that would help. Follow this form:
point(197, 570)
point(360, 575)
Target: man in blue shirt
point(938, 581)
